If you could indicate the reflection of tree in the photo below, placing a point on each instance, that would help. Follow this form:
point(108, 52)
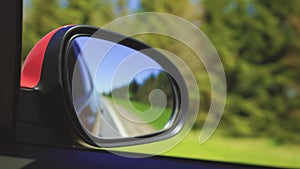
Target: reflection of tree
point(161, 81)
point(140, 92)
point(133, 88)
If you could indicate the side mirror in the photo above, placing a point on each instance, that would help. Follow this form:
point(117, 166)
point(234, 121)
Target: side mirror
point(88, 86)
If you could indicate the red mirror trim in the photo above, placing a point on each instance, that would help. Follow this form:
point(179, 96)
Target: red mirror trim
point(32, 67)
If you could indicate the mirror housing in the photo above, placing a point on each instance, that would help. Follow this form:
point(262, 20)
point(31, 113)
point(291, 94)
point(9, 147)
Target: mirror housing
point(51, 103)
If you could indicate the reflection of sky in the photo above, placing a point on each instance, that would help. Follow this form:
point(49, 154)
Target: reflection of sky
point(121, 61)
point(142, 76)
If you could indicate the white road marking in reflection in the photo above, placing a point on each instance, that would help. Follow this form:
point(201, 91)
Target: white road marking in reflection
point(115, 118)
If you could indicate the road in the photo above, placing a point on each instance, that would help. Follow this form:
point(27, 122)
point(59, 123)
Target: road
point(111, 124)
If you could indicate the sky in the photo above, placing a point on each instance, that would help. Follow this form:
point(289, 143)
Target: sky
point(116, 67)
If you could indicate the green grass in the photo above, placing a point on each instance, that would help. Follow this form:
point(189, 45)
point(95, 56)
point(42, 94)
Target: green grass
point(254, 151)
point(158, 123)
point(259, 151)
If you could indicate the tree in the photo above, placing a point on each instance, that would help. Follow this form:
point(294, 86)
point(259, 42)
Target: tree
point(38, 22)
point(254, 38)
point(133, 88)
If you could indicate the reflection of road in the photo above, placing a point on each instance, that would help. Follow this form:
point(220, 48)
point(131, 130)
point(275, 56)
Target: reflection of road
point(107, 124)
point(110, 123)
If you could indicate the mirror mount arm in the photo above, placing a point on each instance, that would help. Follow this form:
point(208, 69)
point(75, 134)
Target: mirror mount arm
point(37, 123)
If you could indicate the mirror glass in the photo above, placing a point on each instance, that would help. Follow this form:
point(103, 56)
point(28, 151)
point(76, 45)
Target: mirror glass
point(117, 91)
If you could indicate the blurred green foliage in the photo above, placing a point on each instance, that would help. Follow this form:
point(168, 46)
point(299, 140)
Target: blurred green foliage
point(257, 41)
